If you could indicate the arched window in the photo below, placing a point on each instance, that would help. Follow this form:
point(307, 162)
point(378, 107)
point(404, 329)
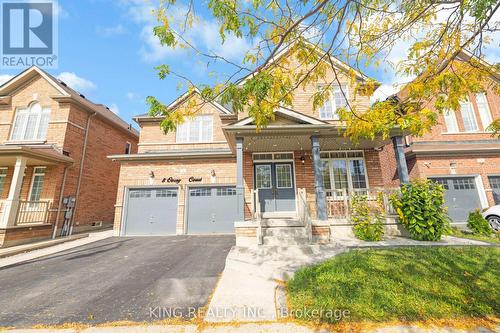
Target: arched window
point(31, 123)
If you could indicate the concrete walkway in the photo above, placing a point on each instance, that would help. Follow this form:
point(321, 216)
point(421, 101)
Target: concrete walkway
point(254, 273)
point(247, 328)
point(37, 250)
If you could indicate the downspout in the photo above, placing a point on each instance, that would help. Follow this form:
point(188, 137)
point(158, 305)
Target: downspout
point(54, 232)
point(84, 151)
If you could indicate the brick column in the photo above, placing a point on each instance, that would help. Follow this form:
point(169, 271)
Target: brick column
point(321, 212)
point(398, 143)
point(239, 179)
point(11, 204)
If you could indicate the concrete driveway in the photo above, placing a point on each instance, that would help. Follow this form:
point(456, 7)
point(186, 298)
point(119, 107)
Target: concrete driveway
point(114, 279)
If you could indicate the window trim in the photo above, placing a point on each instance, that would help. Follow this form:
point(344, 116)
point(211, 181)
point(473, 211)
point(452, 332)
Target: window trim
point(33, 181)
point(331, 98)
point(187, 123)
point(26, 111)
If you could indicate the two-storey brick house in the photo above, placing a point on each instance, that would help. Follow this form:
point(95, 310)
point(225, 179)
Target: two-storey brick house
point(460, 154)
point(54, 171)
point(216, 173)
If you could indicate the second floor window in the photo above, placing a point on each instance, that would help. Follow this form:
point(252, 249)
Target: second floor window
point(450, 121)
point(484, 110)
point(197, 129)
point(31, 123)
point(470, 123)
point(336, 100)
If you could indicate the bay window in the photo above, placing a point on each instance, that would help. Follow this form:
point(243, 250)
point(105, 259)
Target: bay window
point(197, 129)
point(31, 123)
point(337, 99)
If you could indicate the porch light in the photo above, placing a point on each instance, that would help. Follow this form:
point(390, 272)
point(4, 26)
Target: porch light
point(453, 168)
point(303, 159)
point(151, 177)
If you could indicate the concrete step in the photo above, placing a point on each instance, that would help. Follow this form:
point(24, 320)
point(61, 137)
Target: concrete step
point(282, 223)
point(285, 232)
point(283, 240)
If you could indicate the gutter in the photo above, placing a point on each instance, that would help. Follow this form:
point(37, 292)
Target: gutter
point(172, 156)
point(84, 151)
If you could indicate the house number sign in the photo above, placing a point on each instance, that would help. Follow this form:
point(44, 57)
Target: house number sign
point(191, 179)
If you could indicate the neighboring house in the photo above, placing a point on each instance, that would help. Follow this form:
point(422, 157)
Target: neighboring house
point(54, 170)
point(217, 174)
point(461, 155)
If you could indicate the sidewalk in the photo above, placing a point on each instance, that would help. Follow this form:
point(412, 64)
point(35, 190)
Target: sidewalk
point(247, 328)
point(17, 254)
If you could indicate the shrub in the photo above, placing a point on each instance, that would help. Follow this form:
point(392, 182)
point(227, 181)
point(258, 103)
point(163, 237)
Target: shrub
point(478, 224)
point(420, 207)
point(368, 221)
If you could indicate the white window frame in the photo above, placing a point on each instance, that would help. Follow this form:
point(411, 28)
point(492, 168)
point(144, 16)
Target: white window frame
point(26, 112)
point(33, 181)
point(350, 188)
point(450, 119)
point(331, 98)
point(186, 126)
point(269, 167)
point(473, 113)
point(483, 109)
point(289, 166)
point(128, 148)
point(3, 177)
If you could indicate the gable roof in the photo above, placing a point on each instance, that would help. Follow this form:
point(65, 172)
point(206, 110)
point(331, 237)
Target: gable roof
point(66, 93)
point(285, 113)
point(222, 110)
point(320, 51)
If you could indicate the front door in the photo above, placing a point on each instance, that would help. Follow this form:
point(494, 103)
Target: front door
point(276, 186)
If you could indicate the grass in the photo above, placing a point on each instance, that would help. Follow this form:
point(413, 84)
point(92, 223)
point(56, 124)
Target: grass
point(403, 284)
point(493, 238)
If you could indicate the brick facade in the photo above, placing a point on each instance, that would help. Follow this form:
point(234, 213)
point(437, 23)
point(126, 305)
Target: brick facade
point(66, 133)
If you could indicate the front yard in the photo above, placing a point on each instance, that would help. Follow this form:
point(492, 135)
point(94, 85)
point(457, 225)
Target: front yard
point(403, 284)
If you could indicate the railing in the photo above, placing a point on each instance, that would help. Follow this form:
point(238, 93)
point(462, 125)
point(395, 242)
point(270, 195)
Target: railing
point(257, 216)
point(32, 212)
point(304, 214)
point(338, 202)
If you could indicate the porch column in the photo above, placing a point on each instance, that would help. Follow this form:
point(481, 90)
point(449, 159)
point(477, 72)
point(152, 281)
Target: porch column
point(318, 180)
point(239, 179)
point(11, 204)
point(398, 143)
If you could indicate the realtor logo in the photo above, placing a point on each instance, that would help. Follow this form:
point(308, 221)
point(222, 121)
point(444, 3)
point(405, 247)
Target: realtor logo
point(29, 34)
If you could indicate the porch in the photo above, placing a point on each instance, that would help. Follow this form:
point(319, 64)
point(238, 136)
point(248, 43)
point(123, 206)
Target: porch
point(297, 182)
point(29, 182)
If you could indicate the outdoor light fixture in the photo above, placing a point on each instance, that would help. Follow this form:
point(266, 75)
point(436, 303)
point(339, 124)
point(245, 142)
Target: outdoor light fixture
point(453, 168)
point(151, 177)
point(303, 159)
point(213, 176)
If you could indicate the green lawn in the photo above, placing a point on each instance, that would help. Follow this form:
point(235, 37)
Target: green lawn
point(404, 284)
point(493, 238)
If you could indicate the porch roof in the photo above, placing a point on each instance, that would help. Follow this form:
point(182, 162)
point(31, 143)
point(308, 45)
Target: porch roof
point(35, 155)
point(289, 137)
point(175, 154)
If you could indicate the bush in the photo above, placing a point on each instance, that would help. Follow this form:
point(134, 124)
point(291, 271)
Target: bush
point(478, 224)
point(420, 207)
point(368, 222)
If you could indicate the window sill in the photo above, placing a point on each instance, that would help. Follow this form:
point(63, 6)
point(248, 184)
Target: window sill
point(26, 142)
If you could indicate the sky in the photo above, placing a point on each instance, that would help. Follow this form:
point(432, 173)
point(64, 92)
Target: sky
point(107, 52)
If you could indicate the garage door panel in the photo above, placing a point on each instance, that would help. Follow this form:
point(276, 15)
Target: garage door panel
point(211, 209)
point(151, 212)
point(461, 196)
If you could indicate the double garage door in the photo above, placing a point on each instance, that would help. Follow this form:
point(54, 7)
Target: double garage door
point(153, 211)
point(461, 196)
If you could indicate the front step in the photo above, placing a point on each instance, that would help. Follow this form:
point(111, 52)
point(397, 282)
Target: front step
point(287, 235)
point(281, 223)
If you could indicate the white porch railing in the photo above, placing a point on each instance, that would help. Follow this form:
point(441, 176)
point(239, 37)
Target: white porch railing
point(257, 216)
point(338, 202)
point(304, 213)
point(32, 212)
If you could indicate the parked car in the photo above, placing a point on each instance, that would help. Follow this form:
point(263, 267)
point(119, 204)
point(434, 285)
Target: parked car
point(492, 214)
